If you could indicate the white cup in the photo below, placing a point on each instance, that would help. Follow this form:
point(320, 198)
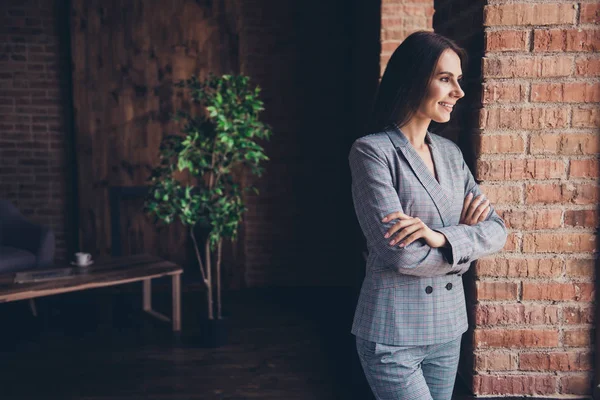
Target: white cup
point(83, 259)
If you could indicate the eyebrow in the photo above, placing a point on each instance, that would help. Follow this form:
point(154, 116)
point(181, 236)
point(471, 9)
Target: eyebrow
point(448, 73)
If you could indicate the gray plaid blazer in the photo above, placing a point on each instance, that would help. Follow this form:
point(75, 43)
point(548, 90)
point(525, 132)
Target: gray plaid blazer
point(414, 295)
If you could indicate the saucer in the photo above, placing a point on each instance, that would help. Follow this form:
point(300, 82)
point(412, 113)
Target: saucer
point(82, 266)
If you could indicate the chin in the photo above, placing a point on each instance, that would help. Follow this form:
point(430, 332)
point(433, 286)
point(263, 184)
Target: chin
point(441, 119)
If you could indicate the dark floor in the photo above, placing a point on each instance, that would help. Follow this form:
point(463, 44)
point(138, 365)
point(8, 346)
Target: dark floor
point(283, 344)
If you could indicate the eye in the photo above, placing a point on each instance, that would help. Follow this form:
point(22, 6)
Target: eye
point(445, 79)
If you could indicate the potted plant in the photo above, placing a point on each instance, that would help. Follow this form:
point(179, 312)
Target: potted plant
point(194, 182)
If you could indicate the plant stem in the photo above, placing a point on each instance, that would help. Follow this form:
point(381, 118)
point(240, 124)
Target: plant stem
point(198, 256)
point(219, 251)
point(208, 274)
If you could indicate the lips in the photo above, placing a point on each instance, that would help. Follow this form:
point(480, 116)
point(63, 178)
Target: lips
point(447, 106)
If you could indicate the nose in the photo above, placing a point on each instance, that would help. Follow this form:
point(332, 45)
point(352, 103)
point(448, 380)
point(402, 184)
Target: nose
point(458, 92)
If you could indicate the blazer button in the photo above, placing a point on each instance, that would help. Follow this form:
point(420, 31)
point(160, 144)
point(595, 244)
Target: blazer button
point(449, 286)
point(428, 289)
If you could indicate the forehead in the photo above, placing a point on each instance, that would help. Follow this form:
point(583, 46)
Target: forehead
point(450, 62)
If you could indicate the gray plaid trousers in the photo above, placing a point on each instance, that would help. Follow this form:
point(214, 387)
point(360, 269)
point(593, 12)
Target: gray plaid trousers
point(410, 372)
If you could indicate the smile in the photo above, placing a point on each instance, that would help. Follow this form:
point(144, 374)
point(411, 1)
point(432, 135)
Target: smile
point(447, 106)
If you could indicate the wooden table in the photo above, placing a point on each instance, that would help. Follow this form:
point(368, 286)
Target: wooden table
point(109, 272)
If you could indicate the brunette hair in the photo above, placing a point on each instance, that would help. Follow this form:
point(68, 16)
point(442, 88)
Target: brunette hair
point(407, 76)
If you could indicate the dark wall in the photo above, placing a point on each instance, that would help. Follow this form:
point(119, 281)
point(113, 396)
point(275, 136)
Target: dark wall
point(126, 56)
point(318, 67)
point(34, 92)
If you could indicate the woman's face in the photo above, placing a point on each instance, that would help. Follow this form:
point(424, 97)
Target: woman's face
point(444, 90)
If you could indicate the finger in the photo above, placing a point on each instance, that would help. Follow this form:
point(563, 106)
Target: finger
point(479, 210)
point(397, 226)
point(473, 206)
point(415, 224)
point(484, 214)
point(414, 236)
point(395, 215)
point(466, 203)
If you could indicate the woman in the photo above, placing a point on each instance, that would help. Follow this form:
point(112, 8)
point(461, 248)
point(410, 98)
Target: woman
point(424, 219)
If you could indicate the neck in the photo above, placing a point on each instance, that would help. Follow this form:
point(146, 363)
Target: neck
point(415, 130)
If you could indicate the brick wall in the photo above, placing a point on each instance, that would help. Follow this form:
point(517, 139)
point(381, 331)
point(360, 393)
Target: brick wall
point(400, 18)
point(538, 163)
point(530, 132)
point(32, 128)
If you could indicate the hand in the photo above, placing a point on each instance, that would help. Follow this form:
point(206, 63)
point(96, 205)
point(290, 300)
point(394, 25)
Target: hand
point(474, 210)
point(412, 229)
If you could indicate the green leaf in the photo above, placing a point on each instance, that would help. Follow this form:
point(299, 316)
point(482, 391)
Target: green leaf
point(218, 141)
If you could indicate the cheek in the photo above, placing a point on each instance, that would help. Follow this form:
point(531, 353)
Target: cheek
point(435, 93)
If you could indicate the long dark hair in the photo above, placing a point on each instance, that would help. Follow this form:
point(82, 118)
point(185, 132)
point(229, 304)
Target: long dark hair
point(407, 76)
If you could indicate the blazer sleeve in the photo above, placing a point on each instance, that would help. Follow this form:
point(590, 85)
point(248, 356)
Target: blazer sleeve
point(374, 197)
point(471, 242)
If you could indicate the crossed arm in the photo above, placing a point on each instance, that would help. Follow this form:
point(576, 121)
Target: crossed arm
point(442, 251)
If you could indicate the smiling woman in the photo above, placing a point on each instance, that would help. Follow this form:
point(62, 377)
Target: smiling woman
point(425, 220)
point(443, 91)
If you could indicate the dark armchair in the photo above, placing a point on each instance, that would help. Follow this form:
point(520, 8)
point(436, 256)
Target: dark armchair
point(23, 244)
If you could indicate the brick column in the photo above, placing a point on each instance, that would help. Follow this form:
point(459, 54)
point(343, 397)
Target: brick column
point(538, 163)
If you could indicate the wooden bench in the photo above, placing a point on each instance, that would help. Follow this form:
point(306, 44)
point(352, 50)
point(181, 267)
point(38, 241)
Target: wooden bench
point(108, 272)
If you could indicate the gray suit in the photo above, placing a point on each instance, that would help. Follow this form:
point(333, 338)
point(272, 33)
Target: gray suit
point(414, 296)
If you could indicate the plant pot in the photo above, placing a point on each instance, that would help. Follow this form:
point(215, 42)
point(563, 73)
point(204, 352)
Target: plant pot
point(213, 333)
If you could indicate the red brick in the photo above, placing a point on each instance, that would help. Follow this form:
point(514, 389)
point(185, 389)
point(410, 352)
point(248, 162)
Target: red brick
point(525, 118)
point(509, 314)
point(519, 267)
point(576, 384)
point(503, 194)
point(495, 361)
point(513, 338)
point(506, 40)
point(390, 10)
point(531, 219)
point(581, 218)
point(578, 315)
point(565, 193)
point(556, 361)
point(500, 144)
point(505, 170)
point(496, 290)
point(514, 384)
point(577, 92)
point(584, 168)
point(545, 143)
point(566, 40)
point(527, 67)
point(580, 268)
point(558, 291)
point(577, 337)
point(513, 242)
point(388, 46)
point(587, 66)
point(586, 117)
point(399, 29)
point(589, 13)
point(528, 14)
point(558, 242)
point(504, 92)
point(565, 144)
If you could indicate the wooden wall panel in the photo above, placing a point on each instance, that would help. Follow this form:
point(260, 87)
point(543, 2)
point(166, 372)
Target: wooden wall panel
point(126, 55)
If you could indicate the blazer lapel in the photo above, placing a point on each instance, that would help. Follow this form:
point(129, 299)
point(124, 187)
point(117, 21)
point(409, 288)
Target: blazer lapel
point(436, 190)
